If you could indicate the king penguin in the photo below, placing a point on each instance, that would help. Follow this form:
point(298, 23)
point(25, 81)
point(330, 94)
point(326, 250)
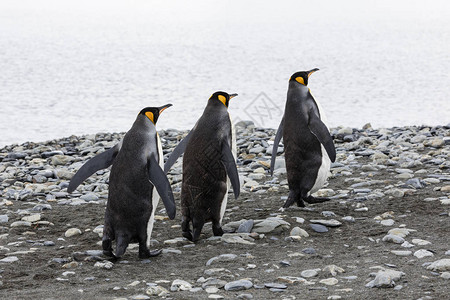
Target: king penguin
point(209, 164)
point(136, 182)
point(309, 148)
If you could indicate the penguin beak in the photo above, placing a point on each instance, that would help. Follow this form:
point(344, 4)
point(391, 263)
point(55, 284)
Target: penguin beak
point(233, 95)
point(162, 108)
point(312, 71)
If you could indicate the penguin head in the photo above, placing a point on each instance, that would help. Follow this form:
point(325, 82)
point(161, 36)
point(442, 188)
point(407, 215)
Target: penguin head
point(222, 97)
point(153, 112)
point(302, 76)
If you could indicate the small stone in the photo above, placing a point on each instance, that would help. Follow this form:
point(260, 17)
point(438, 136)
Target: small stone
point(156, 291)
point(329, 281)
point(423, 253)
point(246, 226)
point(291, 279)
point(309, 251)
point(211, 290)
point(104, 265)
point(401, 232)
point(274, 285)
point(235, 238)
point(329, 223)
point(393, 239)
point(318, 228)
point(140, 297)
point(401, 252)
point(348, 219)
point(32, 218)
point(222, 257)
point(445, 275)
point(333, 270)
point(297, 231)
point(387, 222)
point(309, 273)
point(4, 218)
point(445, 189)
point(385, 279)
point(72, 232)
point(20, 224)
point(440, 265)
point(245, 296)
point(420, 242)
point(215, 296)
point(334, 297)
point(9, 259)
point(70, 265)
point(180, 285)
point(177, 241)
point(238, 285)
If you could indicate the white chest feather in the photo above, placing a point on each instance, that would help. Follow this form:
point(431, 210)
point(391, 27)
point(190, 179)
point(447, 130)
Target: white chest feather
point(155, 195)
point(223, 206)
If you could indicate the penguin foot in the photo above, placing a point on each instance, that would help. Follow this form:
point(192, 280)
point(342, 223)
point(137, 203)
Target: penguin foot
point(218, 231)
point(108, 253)
point(188, 235)
point(312, 200)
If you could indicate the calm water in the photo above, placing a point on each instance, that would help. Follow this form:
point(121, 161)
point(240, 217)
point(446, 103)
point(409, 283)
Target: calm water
point(77, 67)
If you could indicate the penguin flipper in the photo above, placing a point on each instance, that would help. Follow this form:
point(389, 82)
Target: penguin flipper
point(320, 130)
point(179, 149)
point(159, 179)
point(98, 162)
point(276, 142)
point(229, 162)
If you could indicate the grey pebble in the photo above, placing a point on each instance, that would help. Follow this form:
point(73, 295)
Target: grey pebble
point(309, 251)
point(238, 285)
point(319, 228)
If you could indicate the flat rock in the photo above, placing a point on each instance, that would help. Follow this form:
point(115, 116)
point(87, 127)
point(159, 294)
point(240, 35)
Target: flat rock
point(236, 238)
point(385, 279)
point(329, 223)
point(319, 228)
point(423, 253)
point(297, 231)
point(393, 239)
point(329, 281)
point(309, 273)
point(220, 258)
point(401, 252)
point(271, 224)
point(9, 259)
point(72, 232)
point(238, 285)
point(180, 285)
point(245, 227)
point(440, 265)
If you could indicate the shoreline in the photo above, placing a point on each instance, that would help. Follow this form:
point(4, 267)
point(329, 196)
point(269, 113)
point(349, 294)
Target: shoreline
point(385, 230)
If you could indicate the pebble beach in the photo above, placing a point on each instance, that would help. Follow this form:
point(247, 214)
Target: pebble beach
point(385, 233)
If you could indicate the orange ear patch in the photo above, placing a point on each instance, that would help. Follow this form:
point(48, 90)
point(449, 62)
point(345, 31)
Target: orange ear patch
point(150, 116)
point(223, 99)
point(300, 80)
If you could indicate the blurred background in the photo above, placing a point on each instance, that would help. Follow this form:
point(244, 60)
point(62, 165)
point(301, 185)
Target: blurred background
point(82, 67)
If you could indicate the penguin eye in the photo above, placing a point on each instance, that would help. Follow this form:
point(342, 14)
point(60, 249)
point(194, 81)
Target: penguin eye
point(300, 80)
point(150, 116)
point(222, 99)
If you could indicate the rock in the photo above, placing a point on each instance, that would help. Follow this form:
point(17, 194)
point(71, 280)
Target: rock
point(156, 291)
point(273, 285)
point(387, 222)
point(4, 218)
point(385, 279)
point(393, 239)
point(271, 224)
point(214, 282)
point(89, 197)
point(9, 259)
point(423, 253)
point(329, 223)
point(318, 228)
point(238, 285)
point(401, 253)
point(72, 232)
point(222, 257)
point(333, 270)
point(440, 265)
point(297, 231)
point(58, 160)
point(420, 242)
point(177, 241)
point(245, 226)
point(309, 273)
point(401, 232)
point(235, 238)
point(180, 285)
point(20, 224)
point(329, 281)
point(104, 265)
point(291, 279)
point(445, 275)
point(445, 189)
point(32, 218)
